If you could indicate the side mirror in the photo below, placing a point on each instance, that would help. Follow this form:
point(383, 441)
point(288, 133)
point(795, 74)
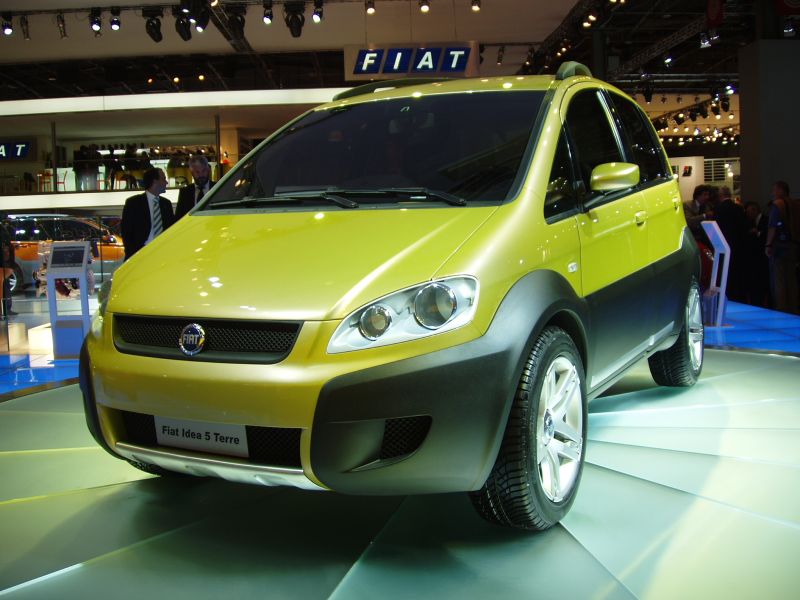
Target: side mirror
point(610, 177)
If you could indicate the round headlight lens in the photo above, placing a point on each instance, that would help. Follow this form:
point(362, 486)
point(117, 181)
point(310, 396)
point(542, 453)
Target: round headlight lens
point(374, 322)
point(434, 305)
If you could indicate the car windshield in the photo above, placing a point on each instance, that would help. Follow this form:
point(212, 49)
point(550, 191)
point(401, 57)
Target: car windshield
point(444, 149)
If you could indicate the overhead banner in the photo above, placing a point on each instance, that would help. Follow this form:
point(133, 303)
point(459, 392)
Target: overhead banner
point(446, 59)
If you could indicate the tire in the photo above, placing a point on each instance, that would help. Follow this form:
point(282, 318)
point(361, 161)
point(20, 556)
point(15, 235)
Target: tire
point(544, 437)
point(15, 280)
point(681, 364)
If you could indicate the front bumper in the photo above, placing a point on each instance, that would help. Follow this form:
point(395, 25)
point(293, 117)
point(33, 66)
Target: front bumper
point(421, 424)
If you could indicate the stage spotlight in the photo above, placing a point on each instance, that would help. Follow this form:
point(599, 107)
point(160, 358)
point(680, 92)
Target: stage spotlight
point(153, 25)
point(715, 110)
point(703, 111)
point(667, 60)
point(693, 115)
point(424, 6)
point(8, 24)
point(268, 16)
point(648, 94)
point(62, 26)
point(725, 103)
point(317, 15)
point(237, 23)
point(94, 20)
point(183, 27)
point(115, 22)
point(476, 5)
point(369, 6)
point(705, 42)
point(294, 17)
point(23, 23)
point(679, 119)
point(201, 23)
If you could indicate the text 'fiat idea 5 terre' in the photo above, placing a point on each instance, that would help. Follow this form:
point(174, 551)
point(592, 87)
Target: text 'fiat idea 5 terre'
point(407, 290)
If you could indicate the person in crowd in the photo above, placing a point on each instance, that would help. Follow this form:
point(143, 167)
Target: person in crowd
point(91, 167)
point(757, 272)
point(734, 226)
point(79, 158)
point(191, 194)
point(147, 214)
point(782, 251)
point(7, 250)
point(698, 210)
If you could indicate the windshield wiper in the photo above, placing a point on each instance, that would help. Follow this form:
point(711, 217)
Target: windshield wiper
point(421, 193)
point(290, 197)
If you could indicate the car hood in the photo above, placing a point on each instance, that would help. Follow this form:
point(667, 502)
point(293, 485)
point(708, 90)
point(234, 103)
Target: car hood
point(289, 265)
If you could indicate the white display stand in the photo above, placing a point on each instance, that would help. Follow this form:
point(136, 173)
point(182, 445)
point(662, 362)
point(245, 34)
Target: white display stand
point(68, 260)
point(714, 300)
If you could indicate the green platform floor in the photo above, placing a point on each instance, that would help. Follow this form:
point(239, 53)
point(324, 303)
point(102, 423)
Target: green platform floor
point(685, 494)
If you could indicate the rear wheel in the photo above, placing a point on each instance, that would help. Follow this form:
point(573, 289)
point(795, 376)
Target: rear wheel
point(537, 472)
point(681, 364)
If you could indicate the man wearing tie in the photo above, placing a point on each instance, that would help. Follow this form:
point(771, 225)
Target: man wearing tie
point(146, 215)
point(191, 194)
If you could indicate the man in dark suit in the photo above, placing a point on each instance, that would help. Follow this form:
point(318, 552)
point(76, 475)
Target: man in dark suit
point(191, 194)
point(146, 215)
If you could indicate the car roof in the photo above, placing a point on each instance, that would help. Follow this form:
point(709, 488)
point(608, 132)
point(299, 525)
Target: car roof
point(568, 73)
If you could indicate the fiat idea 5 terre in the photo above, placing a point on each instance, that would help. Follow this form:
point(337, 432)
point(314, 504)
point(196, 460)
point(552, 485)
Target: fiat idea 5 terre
point(404, 291)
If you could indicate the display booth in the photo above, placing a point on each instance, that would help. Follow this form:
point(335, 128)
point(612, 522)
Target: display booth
point(68, 261)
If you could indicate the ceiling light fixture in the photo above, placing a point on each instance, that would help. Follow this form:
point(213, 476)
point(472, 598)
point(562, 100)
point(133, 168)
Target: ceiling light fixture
point(369, 6)
point(62, 26)
point(667, 60)
point(94, 20)
point(183, 27)
point(317, 15)
point(115, 22)
point(476, 5)
point(8, 26)
point(705, 42)
point(268, 15)
point(424, 6)
point(153, 24)
point(201, 23)
point(294, 18)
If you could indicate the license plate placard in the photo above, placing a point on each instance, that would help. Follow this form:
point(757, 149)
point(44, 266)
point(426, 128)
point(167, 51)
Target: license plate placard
point(215, 438)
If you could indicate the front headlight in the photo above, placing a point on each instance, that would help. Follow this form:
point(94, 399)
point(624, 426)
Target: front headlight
point(415, 312)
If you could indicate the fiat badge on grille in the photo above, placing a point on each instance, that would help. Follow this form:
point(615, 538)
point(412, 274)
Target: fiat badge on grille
point(192, 340)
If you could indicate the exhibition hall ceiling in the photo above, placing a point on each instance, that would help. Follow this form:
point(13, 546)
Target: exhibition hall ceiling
point(64, 57)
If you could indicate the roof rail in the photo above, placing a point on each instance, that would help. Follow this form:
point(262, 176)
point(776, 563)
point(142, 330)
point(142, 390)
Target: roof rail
point(369, 88)
point(572, 68)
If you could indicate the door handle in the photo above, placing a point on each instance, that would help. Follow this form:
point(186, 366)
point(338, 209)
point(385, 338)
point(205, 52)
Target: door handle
point(640, 217)
point(676, 203)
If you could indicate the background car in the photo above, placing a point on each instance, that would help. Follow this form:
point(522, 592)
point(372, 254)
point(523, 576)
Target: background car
point(27, 231)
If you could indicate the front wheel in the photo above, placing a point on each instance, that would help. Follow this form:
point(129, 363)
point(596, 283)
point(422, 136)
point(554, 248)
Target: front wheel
point(536, 475)
point(681, 364)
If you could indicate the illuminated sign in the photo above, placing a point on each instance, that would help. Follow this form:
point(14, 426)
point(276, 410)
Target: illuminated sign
point(396, 61)
point(14, 150)
point(449, 59)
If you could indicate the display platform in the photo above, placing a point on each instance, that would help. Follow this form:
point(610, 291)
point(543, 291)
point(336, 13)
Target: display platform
point(685, 494)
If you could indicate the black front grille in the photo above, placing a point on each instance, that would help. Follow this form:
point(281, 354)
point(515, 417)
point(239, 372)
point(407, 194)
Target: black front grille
point(226, 340)
point(270, 446)
point(403, 436)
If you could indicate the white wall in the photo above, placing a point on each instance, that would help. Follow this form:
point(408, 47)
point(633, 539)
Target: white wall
point(692, 165)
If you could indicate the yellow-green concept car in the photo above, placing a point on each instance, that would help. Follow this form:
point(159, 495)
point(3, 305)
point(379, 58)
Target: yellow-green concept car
point(407, 290)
